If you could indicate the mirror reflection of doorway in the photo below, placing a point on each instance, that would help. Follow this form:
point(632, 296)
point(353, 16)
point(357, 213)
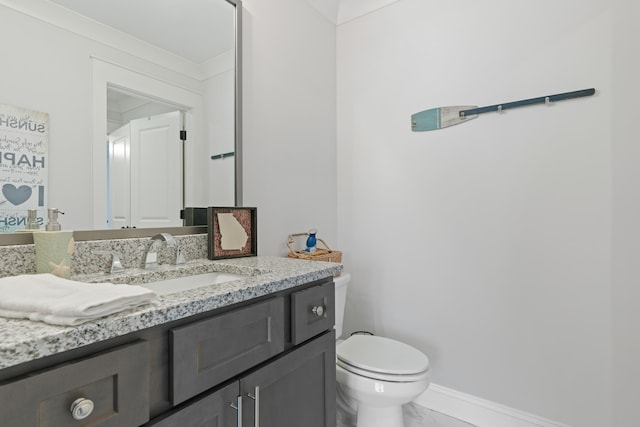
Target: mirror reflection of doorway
point(144, 162)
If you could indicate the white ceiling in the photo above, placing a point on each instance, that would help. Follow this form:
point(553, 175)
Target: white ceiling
point(341, 11)
point(194, 29)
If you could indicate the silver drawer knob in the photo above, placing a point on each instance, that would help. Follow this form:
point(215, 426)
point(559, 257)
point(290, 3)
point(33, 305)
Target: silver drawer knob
point(81, 408)
point(318, 310)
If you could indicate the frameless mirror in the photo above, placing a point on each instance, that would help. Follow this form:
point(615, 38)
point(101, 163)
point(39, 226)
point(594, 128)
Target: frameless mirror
point(143, 104)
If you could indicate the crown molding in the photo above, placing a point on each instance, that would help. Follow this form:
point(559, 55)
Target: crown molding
point(341, 11)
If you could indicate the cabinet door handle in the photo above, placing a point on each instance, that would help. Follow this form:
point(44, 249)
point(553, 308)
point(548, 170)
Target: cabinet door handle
point(81, 408)
point(238, 407)
point(318, 310)
point(256, 396)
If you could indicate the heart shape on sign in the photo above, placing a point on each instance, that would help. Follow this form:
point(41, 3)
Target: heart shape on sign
point(17, 195)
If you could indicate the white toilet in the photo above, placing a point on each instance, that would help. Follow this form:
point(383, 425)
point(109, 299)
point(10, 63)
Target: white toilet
point(376, 375)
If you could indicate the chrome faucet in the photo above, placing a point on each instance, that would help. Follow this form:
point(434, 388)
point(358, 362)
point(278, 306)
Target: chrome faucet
point(150, 257)
point(116, 264)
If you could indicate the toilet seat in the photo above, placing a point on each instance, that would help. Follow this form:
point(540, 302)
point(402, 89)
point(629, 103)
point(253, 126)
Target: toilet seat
point(384, 377)
point(382, 358)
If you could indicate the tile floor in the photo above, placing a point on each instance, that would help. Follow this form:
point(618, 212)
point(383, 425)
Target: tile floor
point(414, 416)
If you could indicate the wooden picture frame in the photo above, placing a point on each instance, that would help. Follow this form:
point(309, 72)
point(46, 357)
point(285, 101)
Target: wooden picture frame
point(232, 232)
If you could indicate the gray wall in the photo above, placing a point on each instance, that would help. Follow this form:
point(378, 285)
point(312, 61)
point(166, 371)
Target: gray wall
point(626, 211)
point(289, 121)
point(489, 245)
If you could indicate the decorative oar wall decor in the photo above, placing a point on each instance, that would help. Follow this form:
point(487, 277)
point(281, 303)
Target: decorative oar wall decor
point(437, 118)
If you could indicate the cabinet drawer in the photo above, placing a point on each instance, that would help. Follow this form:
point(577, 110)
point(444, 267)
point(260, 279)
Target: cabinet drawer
point(208, 352)
point(312, 312)
point(116, 381)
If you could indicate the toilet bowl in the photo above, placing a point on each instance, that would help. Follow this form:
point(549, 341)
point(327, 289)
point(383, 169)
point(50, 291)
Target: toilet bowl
point(375, 375)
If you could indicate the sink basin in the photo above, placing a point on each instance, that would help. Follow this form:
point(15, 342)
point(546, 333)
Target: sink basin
point(171, 286)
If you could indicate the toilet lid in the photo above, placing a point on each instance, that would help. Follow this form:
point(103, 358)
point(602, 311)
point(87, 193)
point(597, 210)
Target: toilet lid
point(382, 355)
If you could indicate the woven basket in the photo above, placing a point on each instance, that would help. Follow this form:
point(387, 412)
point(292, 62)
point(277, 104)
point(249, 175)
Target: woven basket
point(321, 254)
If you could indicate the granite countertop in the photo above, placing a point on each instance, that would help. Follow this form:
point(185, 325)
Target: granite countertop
point(24, 340)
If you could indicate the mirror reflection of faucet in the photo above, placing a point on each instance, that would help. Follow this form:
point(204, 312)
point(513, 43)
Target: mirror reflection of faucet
point(150, 256)
point(32, 220)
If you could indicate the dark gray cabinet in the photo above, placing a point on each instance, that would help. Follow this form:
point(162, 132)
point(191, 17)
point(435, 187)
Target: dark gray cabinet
point(271, 359)
point(281, 389)
point(292, 390)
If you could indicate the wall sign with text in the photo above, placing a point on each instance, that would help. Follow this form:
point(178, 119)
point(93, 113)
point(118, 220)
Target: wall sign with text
point(24, 140)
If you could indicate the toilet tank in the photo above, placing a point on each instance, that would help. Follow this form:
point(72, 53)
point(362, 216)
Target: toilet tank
point(341, 298)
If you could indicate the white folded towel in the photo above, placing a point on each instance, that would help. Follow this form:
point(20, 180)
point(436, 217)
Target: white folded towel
point(51, 299)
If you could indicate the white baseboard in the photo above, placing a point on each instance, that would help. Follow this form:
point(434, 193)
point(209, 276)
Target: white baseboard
point(479, 412)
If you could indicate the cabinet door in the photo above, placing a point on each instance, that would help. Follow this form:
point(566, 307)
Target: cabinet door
point(296, 389)
point(213, 410)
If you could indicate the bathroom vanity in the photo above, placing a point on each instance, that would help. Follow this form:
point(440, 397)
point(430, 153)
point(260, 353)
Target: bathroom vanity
point(257, 351)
